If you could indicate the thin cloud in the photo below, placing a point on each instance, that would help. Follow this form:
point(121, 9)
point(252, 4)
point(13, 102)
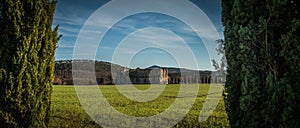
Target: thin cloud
point(151, 37)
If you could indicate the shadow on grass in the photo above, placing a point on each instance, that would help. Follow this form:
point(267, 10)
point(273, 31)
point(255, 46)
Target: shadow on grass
point(198, 96)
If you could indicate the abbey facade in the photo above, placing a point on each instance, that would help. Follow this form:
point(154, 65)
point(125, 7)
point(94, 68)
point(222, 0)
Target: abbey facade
point(142, 76)
point(167, 76)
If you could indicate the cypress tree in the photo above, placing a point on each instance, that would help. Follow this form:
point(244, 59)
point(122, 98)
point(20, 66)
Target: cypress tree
point(263, 56)
point(27, 51)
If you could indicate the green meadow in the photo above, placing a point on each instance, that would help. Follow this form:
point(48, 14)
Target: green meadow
point(66, 110)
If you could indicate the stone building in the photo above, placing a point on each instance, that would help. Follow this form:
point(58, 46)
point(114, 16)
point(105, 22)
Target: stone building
point(166, 76)
point(149, 76)
point(142, 76)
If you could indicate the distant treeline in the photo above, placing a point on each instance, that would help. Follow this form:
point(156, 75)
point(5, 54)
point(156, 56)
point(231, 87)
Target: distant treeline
point(105, 72)
point(63, 71)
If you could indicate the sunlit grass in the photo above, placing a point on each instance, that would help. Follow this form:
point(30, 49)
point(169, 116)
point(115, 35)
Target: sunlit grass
point(66, 110)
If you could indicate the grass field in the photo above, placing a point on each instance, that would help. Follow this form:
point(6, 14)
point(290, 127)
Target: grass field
point(66, 110)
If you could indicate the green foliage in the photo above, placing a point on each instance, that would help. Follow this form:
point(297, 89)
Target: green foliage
point(27, 46)
point(220, 67)
point(262, 49)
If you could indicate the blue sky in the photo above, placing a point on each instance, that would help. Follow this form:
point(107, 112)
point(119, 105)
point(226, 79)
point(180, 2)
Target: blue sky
point(140, 40)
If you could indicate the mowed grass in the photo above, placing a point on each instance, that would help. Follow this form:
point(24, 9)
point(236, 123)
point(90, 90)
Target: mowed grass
point(66, 110)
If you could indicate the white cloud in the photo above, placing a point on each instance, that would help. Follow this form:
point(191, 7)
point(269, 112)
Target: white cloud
point(97, 25)
point(152, 38)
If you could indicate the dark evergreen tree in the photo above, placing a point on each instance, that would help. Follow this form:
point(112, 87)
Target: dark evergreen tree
point(263, 56)
point(27, 46)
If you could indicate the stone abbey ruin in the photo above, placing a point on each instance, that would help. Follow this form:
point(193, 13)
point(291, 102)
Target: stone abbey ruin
point(107, 73)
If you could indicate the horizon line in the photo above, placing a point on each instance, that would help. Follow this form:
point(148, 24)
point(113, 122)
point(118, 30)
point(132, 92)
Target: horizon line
point(135, 67)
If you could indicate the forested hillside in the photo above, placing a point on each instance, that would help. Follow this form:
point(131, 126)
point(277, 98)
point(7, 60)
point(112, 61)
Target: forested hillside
point(105, 72)
point(63, 71)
